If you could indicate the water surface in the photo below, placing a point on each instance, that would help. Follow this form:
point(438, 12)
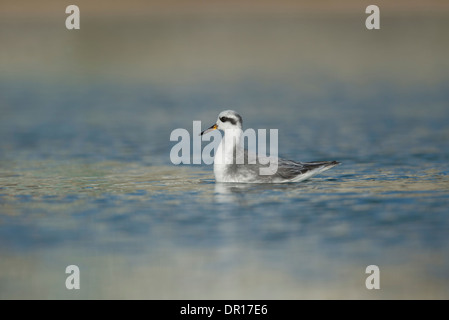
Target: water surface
point(86, 179)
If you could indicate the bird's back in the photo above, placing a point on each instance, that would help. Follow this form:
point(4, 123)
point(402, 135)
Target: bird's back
point(250, 169)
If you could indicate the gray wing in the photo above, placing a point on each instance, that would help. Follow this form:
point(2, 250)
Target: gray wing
point(288, 169)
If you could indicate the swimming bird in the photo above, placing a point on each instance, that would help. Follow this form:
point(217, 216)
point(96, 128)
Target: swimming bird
point(255, 168)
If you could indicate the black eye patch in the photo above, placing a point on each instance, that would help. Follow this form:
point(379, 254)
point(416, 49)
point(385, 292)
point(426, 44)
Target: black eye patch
point(225, 119)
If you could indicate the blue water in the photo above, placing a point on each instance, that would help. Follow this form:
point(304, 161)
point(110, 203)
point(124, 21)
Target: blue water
point(86, 177)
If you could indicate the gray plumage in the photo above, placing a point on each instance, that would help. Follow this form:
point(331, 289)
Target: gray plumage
point(246, 166)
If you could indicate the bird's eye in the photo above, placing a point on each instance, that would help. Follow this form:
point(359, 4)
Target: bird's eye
point(225, 119)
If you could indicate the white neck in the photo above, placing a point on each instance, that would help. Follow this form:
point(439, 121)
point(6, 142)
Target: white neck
point(231, 141)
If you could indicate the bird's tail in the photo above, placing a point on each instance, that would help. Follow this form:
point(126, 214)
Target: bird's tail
point(316, 167)
point(325, 165)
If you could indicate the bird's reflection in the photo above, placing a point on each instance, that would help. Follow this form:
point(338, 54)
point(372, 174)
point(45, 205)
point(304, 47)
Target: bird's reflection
point(239, 192)
point(230, 192)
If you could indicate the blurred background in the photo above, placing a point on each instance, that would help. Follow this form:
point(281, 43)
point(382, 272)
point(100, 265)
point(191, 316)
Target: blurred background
point(86, 178)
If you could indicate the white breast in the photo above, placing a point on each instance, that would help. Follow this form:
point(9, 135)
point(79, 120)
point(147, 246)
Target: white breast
point(225, 154)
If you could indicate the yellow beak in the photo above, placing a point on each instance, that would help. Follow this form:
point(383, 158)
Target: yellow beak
point(215, 126)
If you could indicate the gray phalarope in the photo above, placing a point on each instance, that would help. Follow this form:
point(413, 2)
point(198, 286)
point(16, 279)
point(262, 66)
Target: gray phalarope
point(228, 169)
